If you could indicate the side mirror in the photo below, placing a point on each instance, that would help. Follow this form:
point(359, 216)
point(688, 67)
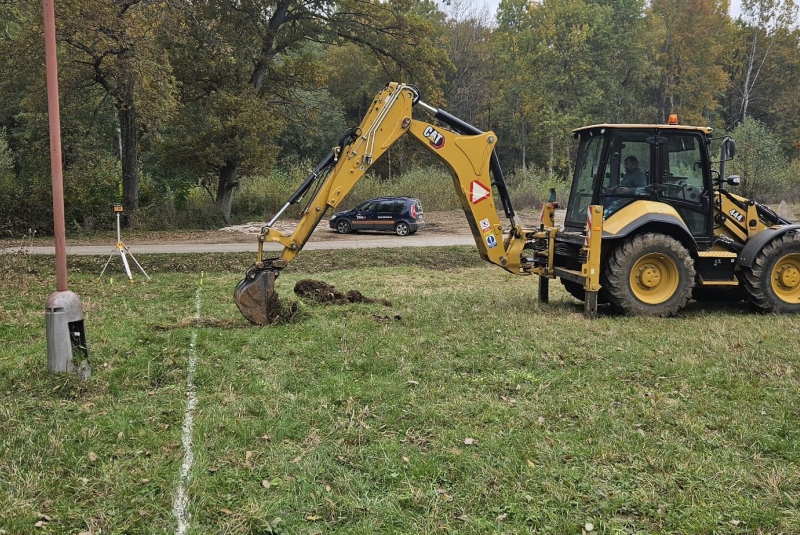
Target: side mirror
point(728, 149)
point(733, 180)
point(726, 153)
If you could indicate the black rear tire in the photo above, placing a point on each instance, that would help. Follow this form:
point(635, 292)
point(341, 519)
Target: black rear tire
point(649, 275)
point(772, 284)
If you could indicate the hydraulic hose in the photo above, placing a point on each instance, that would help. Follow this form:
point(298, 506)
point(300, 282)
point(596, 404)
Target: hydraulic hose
point(463, 127)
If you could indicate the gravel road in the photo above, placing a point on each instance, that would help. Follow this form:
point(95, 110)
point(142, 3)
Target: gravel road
point(442, 229)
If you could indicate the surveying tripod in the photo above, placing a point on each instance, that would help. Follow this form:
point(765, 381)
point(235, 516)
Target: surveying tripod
point(121, 248)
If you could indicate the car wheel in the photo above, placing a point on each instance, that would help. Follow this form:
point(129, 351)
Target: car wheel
point(402, 228)
point(649, 275)
point(773, 282)
point(343, 226)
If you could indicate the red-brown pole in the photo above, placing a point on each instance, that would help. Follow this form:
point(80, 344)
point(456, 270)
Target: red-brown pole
point(53, 111)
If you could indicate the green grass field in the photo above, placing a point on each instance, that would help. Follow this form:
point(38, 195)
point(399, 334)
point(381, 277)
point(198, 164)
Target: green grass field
point(465, 407)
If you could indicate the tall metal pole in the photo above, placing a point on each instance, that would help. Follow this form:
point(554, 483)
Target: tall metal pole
point(55, 144)
point(67, 350)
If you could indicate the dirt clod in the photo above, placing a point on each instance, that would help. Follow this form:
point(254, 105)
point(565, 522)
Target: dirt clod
point(322, 292)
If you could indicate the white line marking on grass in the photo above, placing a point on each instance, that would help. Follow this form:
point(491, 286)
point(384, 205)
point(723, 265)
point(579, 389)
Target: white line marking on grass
point(180, 508)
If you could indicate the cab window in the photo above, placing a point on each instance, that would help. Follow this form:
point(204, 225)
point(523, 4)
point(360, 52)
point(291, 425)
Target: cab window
point(681, 168)
point(682, 181)
point(386, 206)
point(628, 167)
point(587, 167)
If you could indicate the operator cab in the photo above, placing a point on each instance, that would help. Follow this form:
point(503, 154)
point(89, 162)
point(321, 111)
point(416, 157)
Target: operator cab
point(619, 165)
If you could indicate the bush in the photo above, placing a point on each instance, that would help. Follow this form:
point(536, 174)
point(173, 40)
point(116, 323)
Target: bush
point(793, 182)
point(6, 158)
point(530, 187)
point(260, 197)
point(759, 162)
point(193, 209)
point(26, 206)
point(90, 192)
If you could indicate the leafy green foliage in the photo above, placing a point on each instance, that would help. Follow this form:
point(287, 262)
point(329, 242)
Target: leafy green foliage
point(759, 162)
point(687, 55)
point(260, 197)
point(6, 159)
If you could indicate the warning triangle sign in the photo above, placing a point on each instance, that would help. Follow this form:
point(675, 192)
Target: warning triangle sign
point(478, 192)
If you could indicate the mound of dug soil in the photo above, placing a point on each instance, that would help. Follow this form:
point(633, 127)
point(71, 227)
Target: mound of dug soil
point(325, 293)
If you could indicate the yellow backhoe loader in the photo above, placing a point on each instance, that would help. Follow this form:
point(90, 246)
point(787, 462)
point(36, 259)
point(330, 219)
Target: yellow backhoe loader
point(648, 225)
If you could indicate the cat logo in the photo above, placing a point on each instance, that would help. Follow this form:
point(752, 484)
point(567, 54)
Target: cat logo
point(436, 139)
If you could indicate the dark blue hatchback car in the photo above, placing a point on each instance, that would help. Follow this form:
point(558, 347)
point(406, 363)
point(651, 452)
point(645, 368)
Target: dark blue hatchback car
point(401, 215)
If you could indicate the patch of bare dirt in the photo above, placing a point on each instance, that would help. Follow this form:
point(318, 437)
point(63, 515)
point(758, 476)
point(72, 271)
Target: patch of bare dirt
point(328, 294)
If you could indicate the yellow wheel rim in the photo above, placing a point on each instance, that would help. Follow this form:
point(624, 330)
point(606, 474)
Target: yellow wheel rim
point(654, 279)
point(785, 278)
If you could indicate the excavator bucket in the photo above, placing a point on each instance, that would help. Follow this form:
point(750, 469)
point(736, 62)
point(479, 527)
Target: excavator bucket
point(256, 297)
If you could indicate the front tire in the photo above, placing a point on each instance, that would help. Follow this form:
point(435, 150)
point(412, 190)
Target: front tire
point(402, 228)
point(343, 226)
point(649, 275)
point(773, 282)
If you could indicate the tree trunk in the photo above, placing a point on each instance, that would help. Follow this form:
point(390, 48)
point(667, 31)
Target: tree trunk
point(130, 153)
point(279, 17)
point(228, 180)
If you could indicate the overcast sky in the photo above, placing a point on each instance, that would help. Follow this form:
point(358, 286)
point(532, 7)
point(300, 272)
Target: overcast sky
point(491, 6)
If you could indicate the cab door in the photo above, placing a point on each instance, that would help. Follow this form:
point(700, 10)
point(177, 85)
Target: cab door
point(386, 213)
point(684, 180)
point(364, 217)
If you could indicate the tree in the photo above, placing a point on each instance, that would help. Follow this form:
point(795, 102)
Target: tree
point(774, 94)
point(758, 161)
point(114, 47)
point(622, 52)
point(568, 63)
point(26, 195)
point(467, 38)
point(782, 92)
point(517, 86)
point(241, 63)
point(760, 24)
point(353, 78)
point(686, 49)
